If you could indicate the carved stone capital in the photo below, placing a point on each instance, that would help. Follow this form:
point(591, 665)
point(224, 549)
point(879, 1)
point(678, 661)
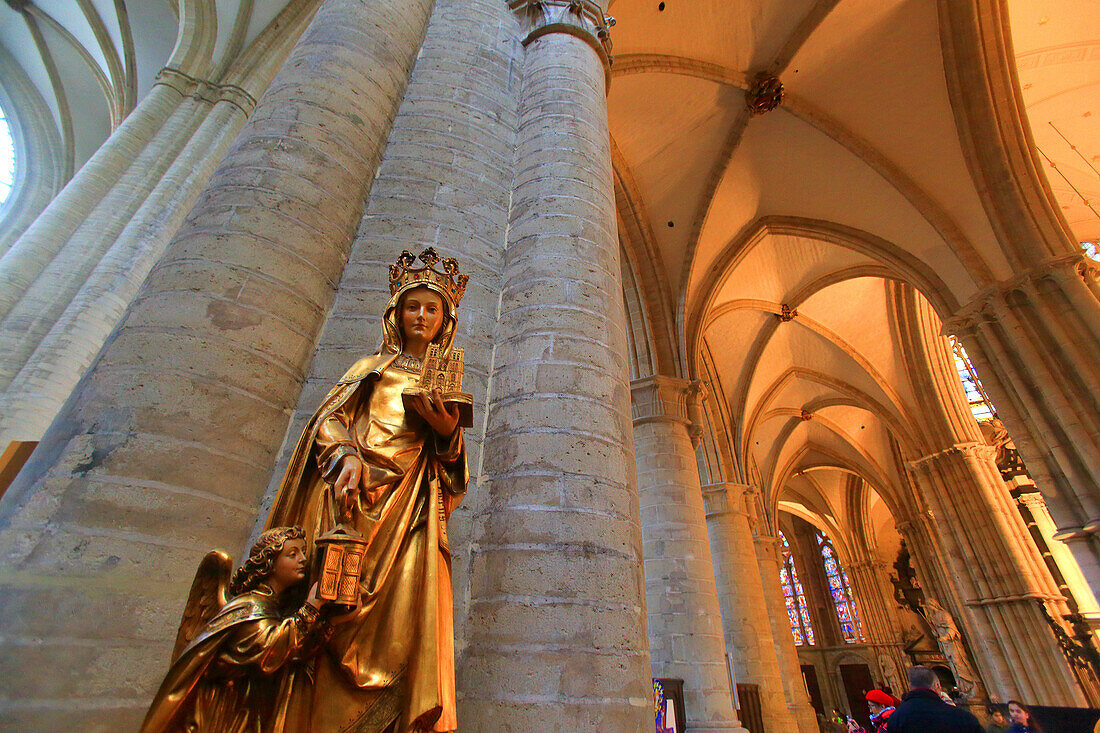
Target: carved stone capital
point(978, 309)
point(584, 19)
point(668, 399)
point(977, 450)
point(1033, 500)
point(726, 498)
point(206, 91)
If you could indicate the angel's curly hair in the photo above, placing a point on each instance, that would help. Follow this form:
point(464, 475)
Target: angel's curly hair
point(261, 559)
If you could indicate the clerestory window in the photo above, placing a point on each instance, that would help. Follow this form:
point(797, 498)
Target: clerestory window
point(795, 597)
point(841, 591)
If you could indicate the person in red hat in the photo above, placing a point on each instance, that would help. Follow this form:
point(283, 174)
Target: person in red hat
point(881, 705)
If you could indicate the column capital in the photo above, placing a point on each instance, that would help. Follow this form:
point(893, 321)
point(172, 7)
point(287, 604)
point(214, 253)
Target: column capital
point(584, 19)
point(658, 398)
point(206, 91)
point(1032, 500)
point(907, 527)
point(977, 310)
point(977, 450)
point(726, 498)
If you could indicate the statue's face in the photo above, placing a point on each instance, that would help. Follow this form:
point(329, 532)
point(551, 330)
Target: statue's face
point(290, 566)
point(421, 315)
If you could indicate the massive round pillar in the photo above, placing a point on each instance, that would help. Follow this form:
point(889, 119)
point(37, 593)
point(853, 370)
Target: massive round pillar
point(790, 670)
point(556, 636)
point(744, 606)
point(685, 625)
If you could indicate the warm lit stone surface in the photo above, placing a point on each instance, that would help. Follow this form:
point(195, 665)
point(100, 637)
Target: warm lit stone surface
point(164, 449)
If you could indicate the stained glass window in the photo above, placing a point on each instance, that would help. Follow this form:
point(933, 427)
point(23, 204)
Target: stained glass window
point(7, 158)
point(841, 591)
point(975, 393)
point(1091, 250)
point(795, 598)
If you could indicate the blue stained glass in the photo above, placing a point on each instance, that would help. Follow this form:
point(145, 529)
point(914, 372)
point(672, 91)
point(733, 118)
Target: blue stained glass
point(795, 598)
point(841, 591)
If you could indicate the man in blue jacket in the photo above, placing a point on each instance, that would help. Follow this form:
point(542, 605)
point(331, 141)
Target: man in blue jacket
point(923, 710)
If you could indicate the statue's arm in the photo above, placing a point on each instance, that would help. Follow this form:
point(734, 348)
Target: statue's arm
point(334, 441)
point(450, 449)
point(269, 644)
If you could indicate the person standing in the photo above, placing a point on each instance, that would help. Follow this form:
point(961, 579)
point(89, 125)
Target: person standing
point(922, 710)
point(1021, 718)
point(881, 706)
point(997, 721)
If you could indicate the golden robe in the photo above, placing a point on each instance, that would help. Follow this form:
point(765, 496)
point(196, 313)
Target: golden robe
point(395, 659)
point(237, 674)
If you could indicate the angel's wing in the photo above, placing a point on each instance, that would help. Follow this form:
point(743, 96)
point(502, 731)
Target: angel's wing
point(208, 595)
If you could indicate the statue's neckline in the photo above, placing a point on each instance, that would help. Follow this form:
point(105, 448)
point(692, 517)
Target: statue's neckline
point(408, 363)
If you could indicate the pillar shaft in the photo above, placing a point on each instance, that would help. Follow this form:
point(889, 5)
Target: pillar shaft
point(167, 444)
point(999, 577)
point(556, 635)
point(790, 669)
point(748, 630)
point(686, 640)
point(52, 358)
point(1035, 342)
point(53, 290)
point(35, 249)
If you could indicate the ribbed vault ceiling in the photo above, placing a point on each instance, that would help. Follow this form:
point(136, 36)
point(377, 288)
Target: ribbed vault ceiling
point(856, 184)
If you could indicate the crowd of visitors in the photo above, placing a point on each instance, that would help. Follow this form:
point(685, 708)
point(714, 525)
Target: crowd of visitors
point(926, 708)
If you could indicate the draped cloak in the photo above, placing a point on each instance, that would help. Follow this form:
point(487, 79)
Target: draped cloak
point(395, 659)
point(237, 674)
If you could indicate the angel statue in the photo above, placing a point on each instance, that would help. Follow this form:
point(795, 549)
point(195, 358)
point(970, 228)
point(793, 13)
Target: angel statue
point(384, 457)
point(240, 649)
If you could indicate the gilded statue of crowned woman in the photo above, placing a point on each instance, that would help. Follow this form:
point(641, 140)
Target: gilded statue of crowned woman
point(386, 462)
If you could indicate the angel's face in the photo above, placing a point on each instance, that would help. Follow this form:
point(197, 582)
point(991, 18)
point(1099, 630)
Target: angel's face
point(290, 566)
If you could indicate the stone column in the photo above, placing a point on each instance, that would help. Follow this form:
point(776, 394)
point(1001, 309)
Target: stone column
point(445, 180)
point(1036, 516)
point(790, 669)
point(874, 594)
point(556, 636)
point(44, 299)
point(166, 446)
point(999, 576)
point(50, 346)
point(685, 623)
point(745, 621)
point(1035, 342)
point(40, 243)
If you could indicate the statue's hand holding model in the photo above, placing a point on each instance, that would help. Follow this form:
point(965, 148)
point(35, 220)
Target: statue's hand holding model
point(392, 475)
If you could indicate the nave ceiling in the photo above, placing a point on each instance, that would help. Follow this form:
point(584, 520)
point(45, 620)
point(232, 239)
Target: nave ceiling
point(858, 187)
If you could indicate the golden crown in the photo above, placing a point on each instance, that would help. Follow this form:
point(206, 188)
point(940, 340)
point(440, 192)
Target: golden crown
point(450, 281)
